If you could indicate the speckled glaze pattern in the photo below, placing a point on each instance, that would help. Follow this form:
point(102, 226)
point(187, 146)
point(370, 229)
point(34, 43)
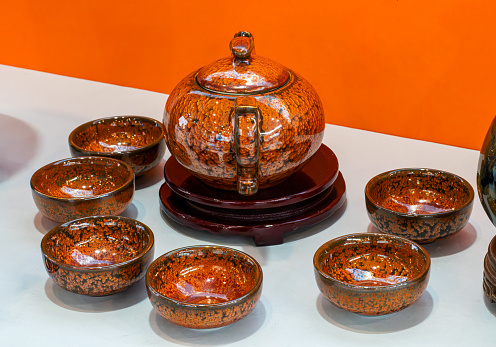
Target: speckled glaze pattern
point(85, 186)
point(489, 274)
point(204, 287)
point(199, 129)
point(136, 140)
point(371, 274)
point(98, 256)
point(422, 205)
point(486, 173)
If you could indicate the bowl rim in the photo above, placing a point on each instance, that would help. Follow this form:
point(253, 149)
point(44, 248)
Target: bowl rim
point(140, 255)
point(382, 176)
point(419, 248)
point(89, 124)
point(129, 182)
point(248, 294)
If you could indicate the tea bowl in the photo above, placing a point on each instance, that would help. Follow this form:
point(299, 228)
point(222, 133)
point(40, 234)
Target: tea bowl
point(99, 255)
point(420, 204)
point(371, 274)
point(204, 287)
point(80, 187)
point(137, 140)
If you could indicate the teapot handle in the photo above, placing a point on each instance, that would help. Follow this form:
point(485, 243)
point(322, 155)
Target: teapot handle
point(246, 140)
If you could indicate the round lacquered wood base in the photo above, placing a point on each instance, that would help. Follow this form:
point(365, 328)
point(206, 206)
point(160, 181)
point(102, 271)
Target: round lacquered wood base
point(266, 226)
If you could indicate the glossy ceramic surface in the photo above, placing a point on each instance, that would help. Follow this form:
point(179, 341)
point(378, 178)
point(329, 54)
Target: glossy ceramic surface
point(244, 122)
point(420, 204)
point(486, 173)
point(267, 226)
point(138, 141)
point(489, 275)
point(85, 186)
point(371, 274)
point(98, 255)
point(204, 287)
point(316, 176)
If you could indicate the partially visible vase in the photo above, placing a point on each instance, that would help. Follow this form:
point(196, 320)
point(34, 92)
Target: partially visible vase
point(486, 173)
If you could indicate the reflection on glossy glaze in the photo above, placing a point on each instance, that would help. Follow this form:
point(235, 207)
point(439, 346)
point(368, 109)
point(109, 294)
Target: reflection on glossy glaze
point(100, 250)
point(204, 286)
point(371, 274)
point(372, 269)
point(98, 255)
point(416, 201)
point(138, 141)
point(420, 204)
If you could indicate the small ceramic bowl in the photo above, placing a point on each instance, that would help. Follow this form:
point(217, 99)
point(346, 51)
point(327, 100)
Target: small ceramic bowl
point(138, 141)
point(420, 204)
point(204, 287)
point(371, 274)
point(99, 255)
point(79, 187)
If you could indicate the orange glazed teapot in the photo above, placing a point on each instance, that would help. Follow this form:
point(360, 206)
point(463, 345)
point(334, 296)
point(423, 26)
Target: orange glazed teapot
point(243, 122)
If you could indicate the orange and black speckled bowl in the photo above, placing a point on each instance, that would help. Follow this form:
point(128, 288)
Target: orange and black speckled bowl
point(420, 204)
point(204, 287)
point(80, 187)
point(136, 140)
point(371, 274)
point(99, 255)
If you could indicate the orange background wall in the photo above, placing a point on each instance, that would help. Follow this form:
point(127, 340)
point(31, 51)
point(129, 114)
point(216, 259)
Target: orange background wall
point(415, 68)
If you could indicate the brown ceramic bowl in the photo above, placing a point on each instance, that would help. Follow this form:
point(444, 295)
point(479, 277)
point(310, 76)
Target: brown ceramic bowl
point(204, 287)
point(420, 204)
point(79, 187)
point(138, 141)
point(371, 274)
point(98, 255)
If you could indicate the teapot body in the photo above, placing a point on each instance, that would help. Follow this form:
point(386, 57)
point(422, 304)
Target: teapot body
point(201, 134)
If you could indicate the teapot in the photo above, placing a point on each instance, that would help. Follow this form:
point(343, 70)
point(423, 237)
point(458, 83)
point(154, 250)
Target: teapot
point(244, 122)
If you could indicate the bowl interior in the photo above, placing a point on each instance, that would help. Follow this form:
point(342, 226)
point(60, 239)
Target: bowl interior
point(372, 260)
point(419, 191)
point(119, 134)
point(205, 276)
point(83, 177)
point(97, 241)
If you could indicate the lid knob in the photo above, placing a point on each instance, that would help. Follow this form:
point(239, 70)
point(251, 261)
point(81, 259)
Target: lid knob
point(242, 45)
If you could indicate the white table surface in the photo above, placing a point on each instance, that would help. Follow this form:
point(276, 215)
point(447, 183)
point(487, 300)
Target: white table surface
point(37, 113)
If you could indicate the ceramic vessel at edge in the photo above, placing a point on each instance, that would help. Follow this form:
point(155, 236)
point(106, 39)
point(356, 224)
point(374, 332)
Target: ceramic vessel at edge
point(243, 122)
point(486, 173)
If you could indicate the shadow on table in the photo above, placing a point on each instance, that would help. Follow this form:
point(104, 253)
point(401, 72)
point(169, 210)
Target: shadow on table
point(450, 245)
point(44, 225)
point(152, 177)
point(402, 320)
point(491, 306)
point(93, 304)
point(18, 145)
point(209, 337)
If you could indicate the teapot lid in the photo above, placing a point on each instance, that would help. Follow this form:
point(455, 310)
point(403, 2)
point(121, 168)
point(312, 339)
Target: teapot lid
point(244, 72)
